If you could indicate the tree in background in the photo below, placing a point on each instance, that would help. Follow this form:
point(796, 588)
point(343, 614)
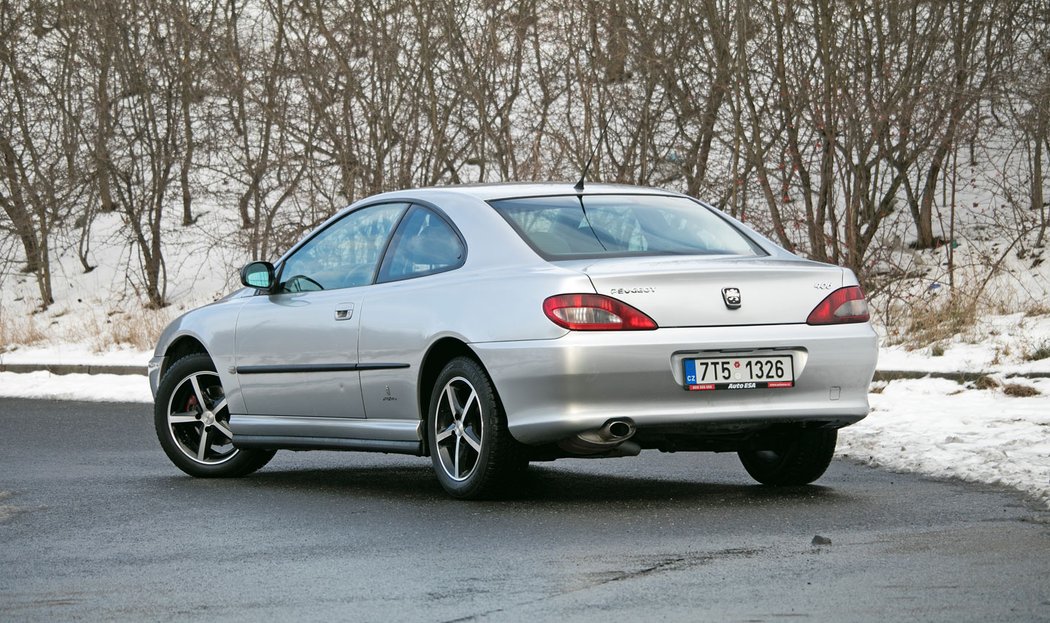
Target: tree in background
point(145, 147)
point(1026, 104)
point(42, 152)
point(818, 122)
point(264, 124)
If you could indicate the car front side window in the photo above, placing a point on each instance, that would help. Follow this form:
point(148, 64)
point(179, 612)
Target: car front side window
point(344, 254)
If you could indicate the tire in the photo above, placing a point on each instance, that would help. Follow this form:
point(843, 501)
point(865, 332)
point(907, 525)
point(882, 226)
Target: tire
point(466, 422)
point(190, 404)
point(794, 458)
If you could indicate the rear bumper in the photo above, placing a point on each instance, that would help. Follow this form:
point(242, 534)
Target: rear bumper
point(552, 389)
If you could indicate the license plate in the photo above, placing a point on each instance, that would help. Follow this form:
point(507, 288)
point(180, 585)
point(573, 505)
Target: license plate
point(739, 373)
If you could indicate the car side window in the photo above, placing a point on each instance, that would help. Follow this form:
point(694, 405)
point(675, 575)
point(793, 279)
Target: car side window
point(344, 254)
point(424, 244)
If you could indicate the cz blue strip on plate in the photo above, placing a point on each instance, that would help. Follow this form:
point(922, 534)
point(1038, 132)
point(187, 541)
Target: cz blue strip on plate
point(690, 372)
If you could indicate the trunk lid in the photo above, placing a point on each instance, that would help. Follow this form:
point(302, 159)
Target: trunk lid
point(687, 291)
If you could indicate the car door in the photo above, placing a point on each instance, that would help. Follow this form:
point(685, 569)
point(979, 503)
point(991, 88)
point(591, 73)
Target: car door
point(297, 348)
point(408, 305)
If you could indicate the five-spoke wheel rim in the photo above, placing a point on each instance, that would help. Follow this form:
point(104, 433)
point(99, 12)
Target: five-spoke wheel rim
point(199, 420)
point(458, 429)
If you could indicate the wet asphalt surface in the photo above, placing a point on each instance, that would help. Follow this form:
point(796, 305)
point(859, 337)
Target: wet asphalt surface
point(95, 524)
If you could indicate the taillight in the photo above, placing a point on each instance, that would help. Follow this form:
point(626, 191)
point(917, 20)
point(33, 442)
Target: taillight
point(594, 312)
point(841, 306)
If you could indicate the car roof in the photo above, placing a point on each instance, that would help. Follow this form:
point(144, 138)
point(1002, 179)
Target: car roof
point(489, 192)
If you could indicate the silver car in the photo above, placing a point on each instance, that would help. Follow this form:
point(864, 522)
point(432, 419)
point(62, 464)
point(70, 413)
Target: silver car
point(490, 326)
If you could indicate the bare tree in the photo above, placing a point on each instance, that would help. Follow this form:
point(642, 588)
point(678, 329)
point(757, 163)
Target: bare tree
point(816, 121)
point(192, 26)
point(264, 125)
point(146, 145)
point(848, 105)
point(690, 46)
point(41, 149)
point(1027, 104)
point(486, 74)
point(962, 74)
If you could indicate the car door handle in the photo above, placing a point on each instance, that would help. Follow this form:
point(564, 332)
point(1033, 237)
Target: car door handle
point(344, 311)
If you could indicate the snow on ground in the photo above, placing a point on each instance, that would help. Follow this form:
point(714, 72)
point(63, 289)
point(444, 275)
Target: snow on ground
point(941, 428)
point(90, 387)
point(1003, 344)
point(76, 353)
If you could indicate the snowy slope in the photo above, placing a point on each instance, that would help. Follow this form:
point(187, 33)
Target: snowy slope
point(943, 429)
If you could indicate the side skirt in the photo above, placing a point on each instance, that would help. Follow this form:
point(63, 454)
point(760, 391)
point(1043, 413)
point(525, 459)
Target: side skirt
point(326, 433)
point(274, 442)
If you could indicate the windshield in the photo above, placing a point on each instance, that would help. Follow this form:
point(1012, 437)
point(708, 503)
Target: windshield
point(575, 226)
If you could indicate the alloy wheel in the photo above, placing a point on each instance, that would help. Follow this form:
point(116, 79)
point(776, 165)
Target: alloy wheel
point(459, 429)
point(199, 419)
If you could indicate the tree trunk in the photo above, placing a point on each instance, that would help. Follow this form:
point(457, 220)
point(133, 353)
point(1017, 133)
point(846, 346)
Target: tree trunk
point(1037, 189)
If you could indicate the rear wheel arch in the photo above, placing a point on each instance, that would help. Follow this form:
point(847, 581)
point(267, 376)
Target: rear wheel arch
point(437, 357)
point(473, 454)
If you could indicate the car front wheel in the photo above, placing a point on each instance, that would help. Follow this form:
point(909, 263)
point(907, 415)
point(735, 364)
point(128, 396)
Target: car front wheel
point(474, 455)
point(792, 458)
point(192, 421)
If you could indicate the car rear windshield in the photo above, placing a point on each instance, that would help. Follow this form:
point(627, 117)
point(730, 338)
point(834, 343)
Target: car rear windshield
point(584, 226)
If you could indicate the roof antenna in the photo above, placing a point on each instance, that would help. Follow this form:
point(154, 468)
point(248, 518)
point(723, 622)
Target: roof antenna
point(601, 137)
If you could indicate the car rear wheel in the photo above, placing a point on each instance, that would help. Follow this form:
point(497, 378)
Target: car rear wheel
point(473, 453)
point(793, 458)
point(192, 421)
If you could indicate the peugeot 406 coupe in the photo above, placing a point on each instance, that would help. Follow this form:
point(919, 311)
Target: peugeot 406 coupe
point(490, 326)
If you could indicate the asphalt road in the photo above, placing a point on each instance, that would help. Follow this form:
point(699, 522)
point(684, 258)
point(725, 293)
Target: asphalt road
point(95, 524)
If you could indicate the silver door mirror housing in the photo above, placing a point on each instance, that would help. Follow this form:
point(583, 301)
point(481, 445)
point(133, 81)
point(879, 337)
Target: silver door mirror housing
point(258, 275)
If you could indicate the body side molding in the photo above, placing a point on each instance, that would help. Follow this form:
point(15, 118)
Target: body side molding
point(322, 367)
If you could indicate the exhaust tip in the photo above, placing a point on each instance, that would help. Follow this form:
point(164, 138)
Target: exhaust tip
point(620, 429)
point(603, 441)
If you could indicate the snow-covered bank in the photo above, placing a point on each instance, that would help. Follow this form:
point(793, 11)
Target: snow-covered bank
point(946, 430)
point(998, 344)
point(90, 387)
point(77, 354)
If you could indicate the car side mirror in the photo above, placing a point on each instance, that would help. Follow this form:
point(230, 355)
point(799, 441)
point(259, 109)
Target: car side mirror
point(258, 275)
